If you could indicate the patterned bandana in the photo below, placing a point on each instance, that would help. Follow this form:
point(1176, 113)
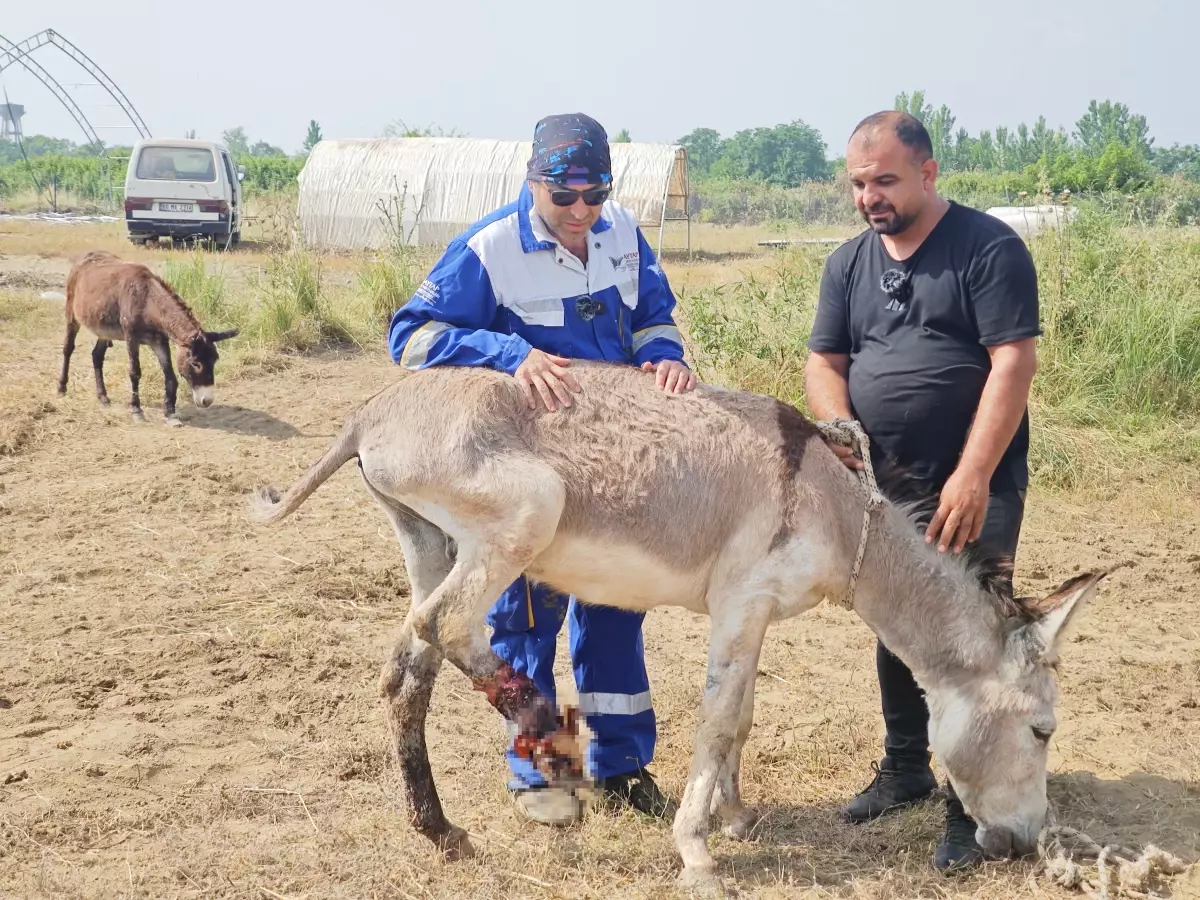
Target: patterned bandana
point(570, 149)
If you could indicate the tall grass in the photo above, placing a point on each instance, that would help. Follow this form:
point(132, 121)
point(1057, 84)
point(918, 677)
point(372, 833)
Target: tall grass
point(387, 281)
point(289, 306)
point(1119, 362)
point(207, 293)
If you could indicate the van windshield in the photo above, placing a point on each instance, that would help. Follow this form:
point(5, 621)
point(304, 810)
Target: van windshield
point(176, 164)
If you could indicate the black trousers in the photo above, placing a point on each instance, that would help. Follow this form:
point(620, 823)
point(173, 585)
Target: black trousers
point(904, 711)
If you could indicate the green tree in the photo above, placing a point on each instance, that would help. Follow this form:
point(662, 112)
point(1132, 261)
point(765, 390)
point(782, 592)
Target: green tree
point(1178, 160)
point(703, 148)
point(1106, 123)
point(941, 135)
point(313, 137)
point(915, 105)
point(235, 139)
point(262, 148)
point(398, 128)
point(622, 137)
point(784, 156)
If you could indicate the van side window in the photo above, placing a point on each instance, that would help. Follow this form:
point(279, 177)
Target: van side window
point(229, 172)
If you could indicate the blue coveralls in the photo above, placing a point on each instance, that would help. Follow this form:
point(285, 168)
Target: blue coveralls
point(502, 288)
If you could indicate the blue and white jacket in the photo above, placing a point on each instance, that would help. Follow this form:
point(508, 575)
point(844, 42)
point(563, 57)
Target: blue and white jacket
point(506, 286)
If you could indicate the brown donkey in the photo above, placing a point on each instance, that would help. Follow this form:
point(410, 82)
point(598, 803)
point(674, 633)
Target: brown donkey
point(124, 301)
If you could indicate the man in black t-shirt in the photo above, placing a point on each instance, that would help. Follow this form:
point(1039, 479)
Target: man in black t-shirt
point(926, 332)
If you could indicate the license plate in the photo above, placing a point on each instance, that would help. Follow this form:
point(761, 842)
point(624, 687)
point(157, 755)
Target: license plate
point(177, 207)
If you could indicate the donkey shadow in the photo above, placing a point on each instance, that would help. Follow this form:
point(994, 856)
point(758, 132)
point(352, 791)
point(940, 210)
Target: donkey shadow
point(239, 420)
point(807, 847)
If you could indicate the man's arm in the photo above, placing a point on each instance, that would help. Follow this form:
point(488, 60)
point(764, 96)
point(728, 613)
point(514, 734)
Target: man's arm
point(446, 321)
point(657, 343)
point(1004, 298)
point(828, 389)
point(827, 372)
point(446, 324)
point(964, 498)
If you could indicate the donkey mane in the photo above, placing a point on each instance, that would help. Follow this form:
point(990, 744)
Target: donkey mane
point(991, 567)
point(183, 306)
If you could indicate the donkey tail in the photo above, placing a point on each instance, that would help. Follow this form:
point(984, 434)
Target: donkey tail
point(267, 506)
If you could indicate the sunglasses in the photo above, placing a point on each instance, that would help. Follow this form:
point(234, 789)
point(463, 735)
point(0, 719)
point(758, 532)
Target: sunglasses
point(564, 197)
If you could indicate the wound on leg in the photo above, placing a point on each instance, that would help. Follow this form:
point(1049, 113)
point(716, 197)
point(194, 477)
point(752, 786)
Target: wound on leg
point(544, 738)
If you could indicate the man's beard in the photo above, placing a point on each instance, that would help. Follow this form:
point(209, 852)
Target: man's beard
point(895, 225)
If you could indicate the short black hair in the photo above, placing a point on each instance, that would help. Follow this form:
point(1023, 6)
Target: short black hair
point(907, 128)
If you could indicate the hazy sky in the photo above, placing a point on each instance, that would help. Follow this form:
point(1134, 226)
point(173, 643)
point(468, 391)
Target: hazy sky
point(657, 67)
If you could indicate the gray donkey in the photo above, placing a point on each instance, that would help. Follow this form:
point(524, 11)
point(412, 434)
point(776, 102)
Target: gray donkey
point(723, 502)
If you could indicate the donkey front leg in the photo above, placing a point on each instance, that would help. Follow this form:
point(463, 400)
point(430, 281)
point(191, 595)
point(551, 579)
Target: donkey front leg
point(98, 352)
point(135, 376)
point(162, 350)
point(727, 798)
point(736, 638)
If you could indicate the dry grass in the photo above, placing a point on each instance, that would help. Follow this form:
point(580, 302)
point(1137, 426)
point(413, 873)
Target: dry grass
point(188, 703)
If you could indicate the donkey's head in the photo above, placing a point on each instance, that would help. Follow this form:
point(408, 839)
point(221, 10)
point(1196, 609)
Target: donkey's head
point(197, 361)
point(991, 726)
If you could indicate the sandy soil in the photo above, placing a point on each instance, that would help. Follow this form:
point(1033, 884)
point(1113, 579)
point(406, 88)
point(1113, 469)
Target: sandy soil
point(188, 701)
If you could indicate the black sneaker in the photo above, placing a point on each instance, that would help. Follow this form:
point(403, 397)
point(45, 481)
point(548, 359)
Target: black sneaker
point(892, 788)
point(637, 789)
point(958, 850)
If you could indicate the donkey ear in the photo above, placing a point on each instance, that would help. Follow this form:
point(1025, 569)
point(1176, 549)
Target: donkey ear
point(215, 336)
point(1055, 612)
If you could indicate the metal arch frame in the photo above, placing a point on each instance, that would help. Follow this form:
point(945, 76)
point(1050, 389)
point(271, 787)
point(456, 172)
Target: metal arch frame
point(21, 52)
point(51, 83)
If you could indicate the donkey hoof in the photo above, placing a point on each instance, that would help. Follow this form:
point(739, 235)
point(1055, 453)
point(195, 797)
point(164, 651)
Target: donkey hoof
point(138, 416)
point(455, 845)
point(702, 883)
point(742, 826)
point(103, 401)
point(172, 422)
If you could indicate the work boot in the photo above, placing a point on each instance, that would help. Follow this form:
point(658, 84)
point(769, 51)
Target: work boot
point(893, 787)
point(637, 789)
point(958, 850)
point(549, 805)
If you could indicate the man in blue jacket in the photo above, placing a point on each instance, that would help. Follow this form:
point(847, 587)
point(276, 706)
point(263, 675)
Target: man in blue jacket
point(562, 272)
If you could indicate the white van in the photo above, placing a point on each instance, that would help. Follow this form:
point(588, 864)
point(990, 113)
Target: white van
point(184, 190)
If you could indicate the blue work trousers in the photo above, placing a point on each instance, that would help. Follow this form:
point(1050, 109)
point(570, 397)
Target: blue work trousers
point(610, 672)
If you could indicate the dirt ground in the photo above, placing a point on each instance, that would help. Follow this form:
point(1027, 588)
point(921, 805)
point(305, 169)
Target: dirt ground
point(188, 702)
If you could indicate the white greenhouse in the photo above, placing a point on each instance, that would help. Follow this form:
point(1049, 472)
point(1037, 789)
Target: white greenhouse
point(356, 194)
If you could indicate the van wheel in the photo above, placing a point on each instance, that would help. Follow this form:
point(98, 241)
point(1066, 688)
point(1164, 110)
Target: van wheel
point(237, 239)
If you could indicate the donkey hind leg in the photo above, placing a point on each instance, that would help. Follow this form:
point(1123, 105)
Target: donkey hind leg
point(135, 377)
point(162, 351)
point(68, 349)
point(727, 798)
point(98, 352)
point(732, 664)
point(451, 621)
point(408, 676)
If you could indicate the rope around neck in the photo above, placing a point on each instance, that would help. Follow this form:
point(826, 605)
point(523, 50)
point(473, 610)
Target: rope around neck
point(1135, 871)
point(850, 433)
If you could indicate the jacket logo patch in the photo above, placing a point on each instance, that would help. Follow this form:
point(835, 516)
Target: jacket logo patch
point(626, 263)
point(428, 291)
